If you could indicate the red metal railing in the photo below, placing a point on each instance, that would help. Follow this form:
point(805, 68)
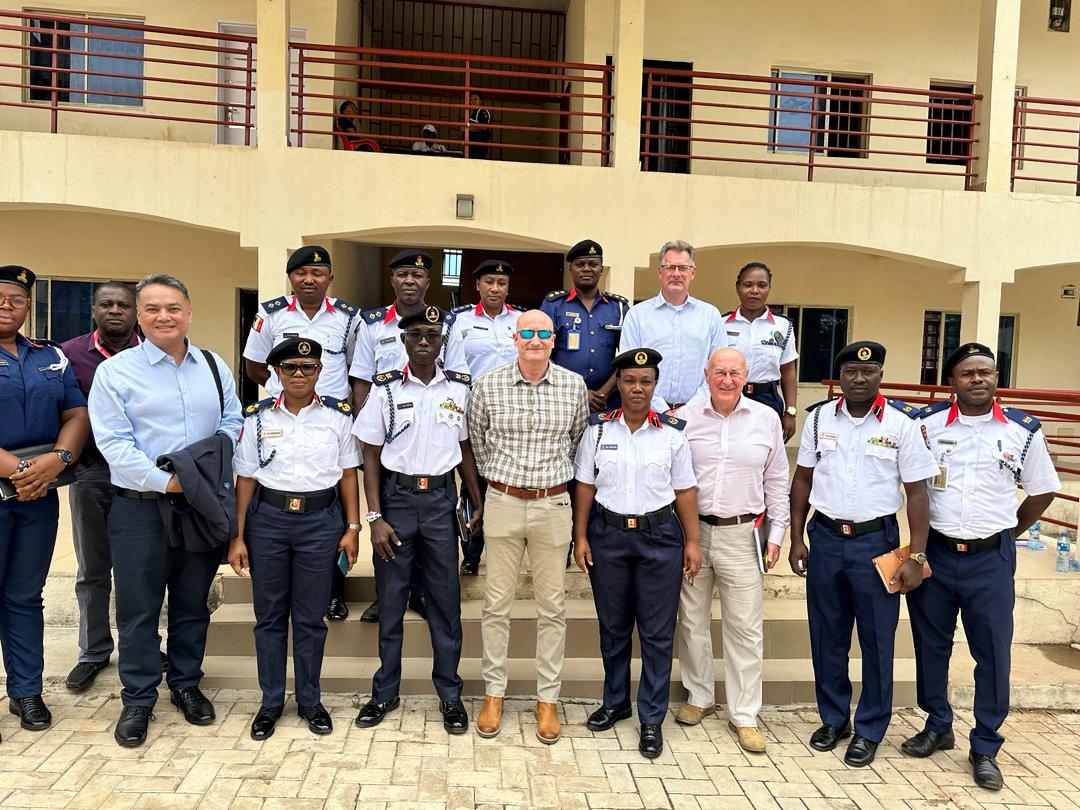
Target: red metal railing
point(1046, 404)
point(1046, 141)
point(539, 110)
point(805, 123)
point(160, 74)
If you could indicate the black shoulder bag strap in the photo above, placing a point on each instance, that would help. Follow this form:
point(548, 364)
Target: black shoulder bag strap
point(217, 378)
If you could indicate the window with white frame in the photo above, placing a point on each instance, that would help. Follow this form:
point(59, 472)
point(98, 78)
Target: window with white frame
point(451, 270)
point(831, 119)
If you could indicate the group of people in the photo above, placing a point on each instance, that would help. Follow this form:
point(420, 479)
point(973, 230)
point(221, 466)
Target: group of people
point(476, 132)
point(646, 441)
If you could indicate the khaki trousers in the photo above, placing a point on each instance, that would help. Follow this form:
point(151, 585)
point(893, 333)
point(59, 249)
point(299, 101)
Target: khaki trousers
point(728, 557)
point(543, 527)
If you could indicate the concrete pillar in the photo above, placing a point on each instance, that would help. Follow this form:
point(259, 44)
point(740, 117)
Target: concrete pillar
point(272, 279)
point(980, 312)
point(999, 45)
point(622, 264)
point(629, 56)
point(272, 78)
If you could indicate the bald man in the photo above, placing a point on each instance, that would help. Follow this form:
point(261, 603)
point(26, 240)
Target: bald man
point(737, 448)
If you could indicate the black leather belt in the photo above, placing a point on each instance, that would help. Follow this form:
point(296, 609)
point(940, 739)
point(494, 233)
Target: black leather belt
point(965, 546)
point(135, 495)
point(636, 522)
point(714, 520)
point(760, 388)
point(298, 502)
point(419, 483)
point(849, 528)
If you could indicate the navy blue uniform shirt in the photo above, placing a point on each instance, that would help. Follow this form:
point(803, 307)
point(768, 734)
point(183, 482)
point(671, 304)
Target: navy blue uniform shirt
point(35, 388)
point(585, 342)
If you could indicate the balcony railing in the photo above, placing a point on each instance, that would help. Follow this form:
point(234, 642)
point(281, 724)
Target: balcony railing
point(1046, 143)
point(53, 64)
point(532, 110)
point(785, 126)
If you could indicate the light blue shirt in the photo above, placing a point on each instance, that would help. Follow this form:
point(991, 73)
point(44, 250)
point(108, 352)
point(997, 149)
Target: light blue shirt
point(142, 406)
point(685, 336)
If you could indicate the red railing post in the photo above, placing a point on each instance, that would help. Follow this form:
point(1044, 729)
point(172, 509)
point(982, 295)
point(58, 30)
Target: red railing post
point(249, 80)
point(647, 133)
point(1015, 142)
point(54, 95)
point(300, 96)
point(468, 101)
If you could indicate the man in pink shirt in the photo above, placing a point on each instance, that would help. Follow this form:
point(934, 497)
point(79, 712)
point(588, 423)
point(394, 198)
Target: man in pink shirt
point(737, 447)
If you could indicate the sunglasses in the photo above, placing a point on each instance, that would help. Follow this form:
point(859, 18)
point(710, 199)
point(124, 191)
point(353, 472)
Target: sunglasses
point(416, 335)
point(529, 334)
point(290, 369)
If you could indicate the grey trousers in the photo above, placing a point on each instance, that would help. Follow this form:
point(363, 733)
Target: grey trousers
point(90, 500)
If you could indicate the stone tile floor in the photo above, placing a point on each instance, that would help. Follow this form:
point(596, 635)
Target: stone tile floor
point(409, 762)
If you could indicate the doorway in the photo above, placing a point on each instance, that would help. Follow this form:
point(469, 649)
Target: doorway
point(247, 309)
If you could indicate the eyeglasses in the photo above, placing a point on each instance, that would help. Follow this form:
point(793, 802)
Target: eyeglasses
point(735, 375)
point(16, 301)
point(529, 334)
point(290, 369)
point(672, 268)
point(430, 337)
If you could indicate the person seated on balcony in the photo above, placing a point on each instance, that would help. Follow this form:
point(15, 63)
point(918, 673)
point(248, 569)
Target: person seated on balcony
point(429, 132)
point(479, 128)
point(345, 129)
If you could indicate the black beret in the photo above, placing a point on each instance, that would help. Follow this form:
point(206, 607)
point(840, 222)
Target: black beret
point(861, 351)
point(411, 257)
point(962, 351)
point(294, 348)
point(429, 315)
point(493, 266)
point(637, 358)
point(308, 256)
point(16, 274)
point(585, 248)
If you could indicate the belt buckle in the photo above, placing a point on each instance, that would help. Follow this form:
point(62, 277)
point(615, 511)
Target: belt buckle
point(847, 529)
point(750, 389)
point(630, 522)
point(423, 484)
point(961, 547)
point(533, 492)
point(295, 504)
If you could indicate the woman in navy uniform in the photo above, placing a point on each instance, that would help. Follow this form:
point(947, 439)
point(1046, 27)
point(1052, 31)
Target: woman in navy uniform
point(296, 489)
point(41, 405)
point(636, 535)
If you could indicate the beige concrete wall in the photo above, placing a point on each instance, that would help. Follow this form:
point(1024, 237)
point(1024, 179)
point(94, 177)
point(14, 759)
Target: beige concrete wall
point(1048, 327)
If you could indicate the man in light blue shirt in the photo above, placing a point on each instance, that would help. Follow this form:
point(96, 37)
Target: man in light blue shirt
point(684, 329)
point(157, 398)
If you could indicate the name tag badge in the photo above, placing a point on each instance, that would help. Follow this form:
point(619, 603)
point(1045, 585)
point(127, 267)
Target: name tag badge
point(734, 334)
point(573, 340)
point(387, 340)
point(609, 447)
point(403, 405)
point(480, 328)
point(290, 334)
point(940, 482)
point(3, 362)
point(271, 433)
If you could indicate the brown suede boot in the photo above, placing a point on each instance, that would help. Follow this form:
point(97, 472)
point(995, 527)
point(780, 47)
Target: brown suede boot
point(489, 721)
point(547, 722)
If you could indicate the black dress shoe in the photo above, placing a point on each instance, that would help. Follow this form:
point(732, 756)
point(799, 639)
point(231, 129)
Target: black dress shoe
point(318, 718)
point(651, 742)
point(132, 726)
point(164, 662)
point(860, 752)
point(262, 727)
point(828, 735)
point(197, 709)
point(419, 604)
point(604, 718)
point(373, 713)
point(33, 712)
point(470, 568)
point(927, 742)
point(454, 717)
point(337, 610)
point(371, 615)
point(986, 770)
point(83, 673)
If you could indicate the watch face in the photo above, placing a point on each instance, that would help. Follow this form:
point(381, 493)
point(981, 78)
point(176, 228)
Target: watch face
point(65, 456)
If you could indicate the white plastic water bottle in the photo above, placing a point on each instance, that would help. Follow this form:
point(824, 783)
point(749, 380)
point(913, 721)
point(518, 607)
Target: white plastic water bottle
point(1074, 561)
point(1035, 543)
point(1062, 564)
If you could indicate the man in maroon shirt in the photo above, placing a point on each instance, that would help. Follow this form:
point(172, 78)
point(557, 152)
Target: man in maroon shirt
point(91, 497)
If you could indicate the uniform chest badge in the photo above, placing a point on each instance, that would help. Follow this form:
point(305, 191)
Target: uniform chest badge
point(449, 405)
point(885, 441)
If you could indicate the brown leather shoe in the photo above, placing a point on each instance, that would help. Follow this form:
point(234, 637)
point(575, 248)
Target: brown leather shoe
point(547, 722)
point(691, 715)
point(750, 738)
point(489, 721)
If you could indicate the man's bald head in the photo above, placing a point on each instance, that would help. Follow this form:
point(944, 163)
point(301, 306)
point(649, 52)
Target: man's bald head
point(534, 319)
point(725, 375)
point(534, 350)
point(726, 359)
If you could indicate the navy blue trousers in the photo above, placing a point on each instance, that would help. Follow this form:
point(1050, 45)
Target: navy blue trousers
point(978, 587)
point(424, 523)
point(636, 579)
point(843, 589)
point(144, 567)
point(27, 537)
point(766, 397)
point(290, 556)
point(472, 549)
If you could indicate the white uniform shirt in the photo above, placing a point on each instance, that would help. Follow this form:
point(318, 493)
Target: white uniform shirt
point(334, 328)
point(767, 343)
point(478, 343)
point(309, 449)
point(974, 493)
point(637, 472)
point(863, 460)
point(427, 424)
point(378, 344)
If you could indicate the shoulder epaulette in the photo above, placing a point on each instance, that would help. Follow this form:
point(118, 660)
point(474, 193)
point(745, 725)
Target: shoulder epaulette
point(551, 296)
point(275, 304)
point(673, 421)
point(463, 308)
point(449, 317)
point(1024, 420)
point(351, 309)
point(372, 315)
point(337, 404)
point(812, 408)
point(728, 314)
point(459, 376)
point(516, 308)
point(387, 377)
point(47, 342)
point(616, 296)
point(935, 407)
point(597, 418)
point(910, 411)
point(255, 407)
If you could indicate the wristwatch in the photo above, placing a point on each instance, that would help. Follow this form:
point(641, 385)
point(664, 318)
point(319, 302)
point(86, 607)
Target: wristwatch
point(918, 557)
point(65, 456)
point(354, 526)
point(373, 516)
point(791, 410)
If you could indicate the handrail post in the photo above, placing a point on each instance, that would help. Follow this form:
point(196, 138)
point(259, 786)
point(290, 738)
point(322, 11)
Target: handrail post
point(1017, 101)
point(300, 96)
point(468, 100)
point(248, 83)
point(54, 95)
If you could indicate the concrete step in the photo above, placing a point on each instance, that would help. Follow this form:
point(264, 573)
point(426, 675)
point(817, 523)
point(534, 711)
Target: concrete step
point(785, 631)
